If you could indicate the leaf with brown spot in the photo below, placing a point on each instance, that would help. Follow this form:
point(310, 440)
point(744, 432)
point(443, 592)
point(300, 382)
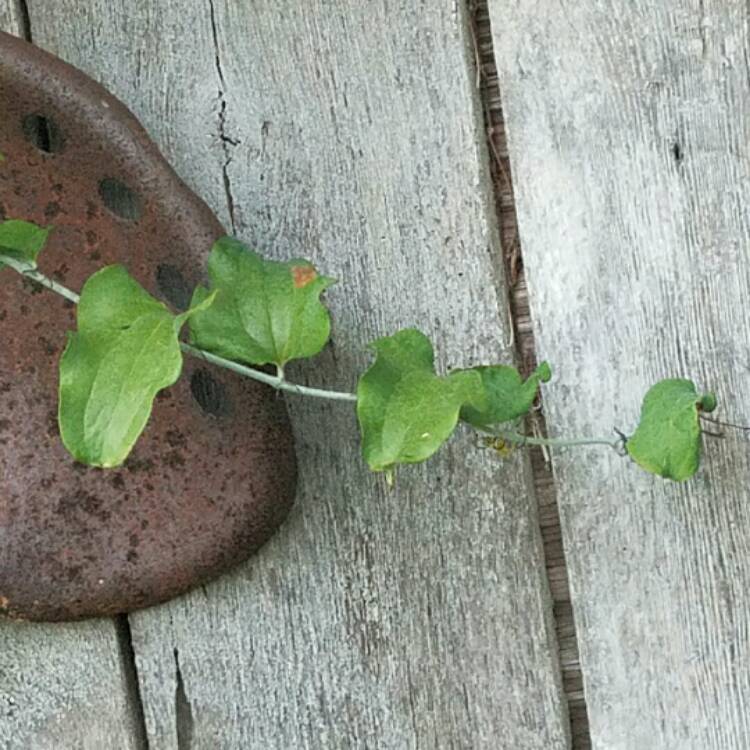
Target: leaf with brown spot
point(265, 312)
point(303, 275)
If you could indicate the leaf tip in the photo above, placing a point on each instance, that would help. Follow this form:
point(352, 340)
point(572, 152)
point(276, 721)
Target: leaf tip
point(544, 371)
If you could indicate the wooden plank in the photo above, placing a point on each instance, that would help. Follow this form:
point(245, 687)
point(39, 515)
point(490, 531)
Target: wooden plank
point(10, 17)
point(62, 686)
point(406, 619)
point(628, 126)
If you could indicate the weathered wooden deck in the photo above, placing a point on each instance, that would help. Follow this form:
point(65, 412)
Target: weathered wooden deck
point(356, 134)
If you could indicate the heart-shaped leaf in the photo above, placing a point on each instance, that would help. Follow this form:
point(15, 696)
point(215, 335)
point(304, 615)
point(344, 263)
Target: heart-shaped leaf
point(22, 240)
point(125, 351)
point(667, 440)
point(406, 411)
point(505, 395)
point(265, 312)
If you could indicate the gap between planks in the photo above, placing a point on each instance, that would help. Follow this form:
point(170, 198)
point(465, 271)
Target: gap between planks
point(24, 20)
point(549, 517)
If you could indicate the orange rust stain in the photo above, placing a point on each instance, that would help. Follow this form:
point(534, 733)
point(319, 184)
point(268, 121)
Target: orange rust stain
point(4, 602)
point(303, 275)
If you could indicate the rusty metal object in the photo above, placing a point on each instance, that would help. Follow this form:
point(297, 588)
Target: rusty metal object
point(214, 474)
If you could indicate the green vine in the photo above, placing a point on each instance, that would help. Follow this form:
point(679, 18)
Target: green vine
point(127, 348)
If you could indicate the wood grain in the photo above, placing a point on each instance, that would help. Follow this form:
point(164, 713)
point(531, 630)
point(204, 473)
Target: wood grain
point(418, 618)
point(64, 686)
point(10, 17)
point(628, 127)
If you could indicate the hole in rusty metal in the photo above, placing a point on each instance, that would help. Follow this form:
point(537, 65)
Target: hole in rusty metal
point(43, 133)
point(120, 199)
point(209, 393)
point(173, 286)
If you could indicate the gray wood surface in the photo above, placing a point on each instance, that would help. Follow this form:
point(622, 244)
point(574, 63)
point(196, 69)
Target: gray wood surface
point(62, 686)
point(348, 133)
point(10, 17)
point(629, 126)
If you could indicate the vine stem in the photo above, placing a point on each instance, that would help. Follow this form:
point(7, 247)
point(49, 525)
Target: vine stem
point(275, 381)
point(733, 425)
point(280, 383)
point(518, 439)
point(26, 270)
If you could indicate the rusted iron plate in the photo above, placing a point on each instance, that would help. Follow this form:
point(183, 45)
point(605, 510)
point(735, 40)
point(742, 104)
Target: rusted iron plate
point(214, 474)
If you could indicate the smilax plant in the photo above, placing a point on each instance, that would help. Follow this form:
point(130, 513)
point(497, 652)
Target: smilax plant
point(256, 312)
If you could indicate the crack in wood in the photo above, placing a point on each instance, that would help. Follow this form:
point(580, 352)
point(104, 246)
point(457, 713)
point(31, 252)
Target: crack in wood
point(226, 142)
point(184, 720)
point(703, 25)
point(132, 685)
point(25, 19)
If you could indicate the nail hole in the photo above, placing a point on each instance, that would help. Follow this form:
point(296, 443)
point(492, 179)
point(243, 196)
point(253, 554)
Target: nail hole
point(173, 286)
point(677, 153)
point(43, 133)
point(120, 199)
point(210, 394)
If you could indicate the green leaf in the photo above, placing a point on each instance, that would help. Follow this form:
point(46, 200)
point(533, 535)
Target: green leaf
point(265, 312)
point(505, 395)
point(22, 240)
point(125, 351)
point(667, 441)
point(406, 411)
